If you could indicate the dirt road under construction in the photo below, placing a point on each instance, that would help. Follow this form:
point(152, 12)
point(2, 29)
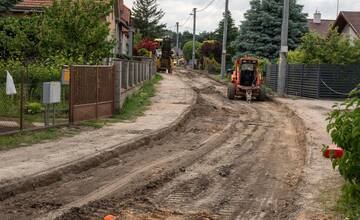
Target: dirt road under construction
point(229, 160)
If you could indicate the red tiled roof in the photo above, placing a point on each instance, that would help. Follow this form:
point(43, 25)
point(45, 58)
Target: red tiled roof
point(322, 28)
point(32, 4)
point(349, 17)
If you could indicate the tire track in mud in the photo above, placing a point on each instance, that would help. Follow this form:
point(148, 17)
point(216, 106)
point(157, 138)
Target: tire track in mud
point(230, 160)
point(255, 189)
point(50, 201)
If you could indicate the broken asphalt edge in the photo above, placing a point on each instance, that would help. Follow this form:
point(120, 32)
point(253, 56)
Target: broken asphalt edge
point(47, 177)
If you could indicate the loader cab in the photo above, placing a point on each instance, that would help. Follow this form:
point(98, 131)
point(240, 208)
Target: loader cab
point(248, 72)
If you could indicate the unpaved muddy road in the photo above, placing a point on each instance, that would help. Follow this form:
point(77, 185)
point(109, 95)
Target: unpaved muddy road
point(230, 160)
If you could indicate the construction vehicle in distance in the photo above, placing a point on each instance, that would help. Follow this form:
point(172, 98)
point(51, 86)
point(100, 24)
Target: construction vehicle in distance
point(164, 54)
point(246, 80)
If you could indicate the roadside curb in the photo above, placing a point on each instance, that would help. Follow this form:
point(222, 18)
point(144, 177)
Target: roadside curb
point(20, 185)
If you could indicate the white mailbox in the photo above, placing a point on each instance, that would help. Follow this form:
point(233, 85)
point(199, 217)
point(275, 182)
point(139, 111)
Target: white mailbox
point(51, 92)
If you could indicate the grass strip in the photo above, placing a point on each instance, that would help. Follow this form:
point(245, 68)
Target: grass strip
point(23, 139)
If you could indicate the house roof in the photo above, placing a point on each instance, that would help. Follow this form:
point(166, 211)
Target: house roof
point(321, 28)
point(351, 18)
point(31, 5)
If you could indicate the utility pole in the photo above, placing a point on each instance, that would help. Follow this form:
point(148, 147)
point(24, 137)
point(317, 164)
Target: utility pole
point(177, 43)
point(337, 8)
point(194, 34)
point(283, 50)
point(223, 55)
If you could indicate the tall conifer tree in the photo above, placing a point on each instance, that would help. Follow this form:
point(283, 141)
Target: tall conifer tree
point(146, 18)
point(260, 33)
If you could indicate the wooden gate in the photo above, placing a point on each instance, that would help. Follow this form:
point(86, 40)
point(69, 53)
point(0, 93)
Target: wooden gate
point(92, 91)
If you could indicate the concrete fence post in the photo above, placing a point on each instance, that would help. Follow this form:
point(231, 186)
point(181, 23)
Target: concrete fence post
point(123, 74)
point(137, 73)
point(127, 74)
point(118, 84)
point(143, 71)
point(132, 74)
point(140, 72)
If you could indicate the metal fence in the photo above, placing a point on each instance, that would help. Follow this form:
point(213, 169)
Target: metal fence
point(316, 81)
point(25, 110)
point(91, 92)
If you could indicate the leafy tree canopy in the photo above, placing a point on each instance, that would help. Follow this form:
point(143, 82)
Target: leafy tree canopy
point(205, 36)
point(212, 49)
point(77, 29)
point(146, 18)
point(187, 50)
point(19, 38)
point(260, 33)
point(334, 49)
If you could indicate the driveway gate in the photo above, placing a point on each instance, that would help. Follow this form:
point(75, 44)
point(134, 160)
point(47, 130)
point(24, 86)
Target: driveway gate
point(92, 90)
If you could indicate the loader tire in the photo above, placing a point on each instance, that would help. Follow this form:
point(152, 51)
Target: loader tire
point(262, 95)
point(231, 92)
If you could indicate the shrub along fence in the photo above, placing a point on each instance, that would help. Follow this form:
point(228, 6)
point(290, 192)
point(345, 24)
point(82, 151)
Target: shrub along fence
point(25, 110)
point(104, 87)
point(316, 81)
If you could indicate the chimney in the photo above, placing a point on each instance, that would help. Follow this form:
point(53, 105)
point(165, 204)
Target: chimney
point(317, 17)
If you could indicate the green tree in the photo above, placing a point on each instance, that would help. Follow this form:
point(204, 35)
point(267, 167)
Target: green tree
point(146, 18)
point(77, 30)
point(344, 128)
point(205, 36)
point(185, 37)
point(260, 33)
point(233, 32)
point(6, 5)
point(19, 38)
point(333, 49)
point(187, 50)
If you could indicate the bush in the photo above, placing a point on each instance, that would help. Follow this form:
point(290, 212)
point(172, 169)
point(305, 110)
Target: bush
point(344, 128)
point(334, 49)
point(187, 50)
point(211, 65)
point(34, 73)
point(19, 37)
point(147, 44)
point(263, 62)
point(144, 52)
point(212, 49)
point(33, 108)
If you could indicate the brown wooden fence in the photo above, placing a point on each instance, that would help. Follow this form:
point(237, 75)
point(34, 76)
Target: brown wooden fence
point(92, 90)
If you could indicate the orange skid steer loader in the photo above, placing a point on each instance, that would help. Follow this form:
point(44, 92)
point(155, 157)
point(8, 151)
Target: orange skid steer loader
point(246, 80)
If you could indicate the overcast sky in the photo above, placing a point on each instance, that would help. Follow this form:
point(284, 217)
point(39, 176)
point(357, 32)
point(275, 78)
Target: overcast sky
point(179, 10)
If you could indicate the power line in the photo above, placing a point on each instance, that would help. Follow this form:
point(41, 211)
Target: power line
point(208, 5)
point(186, 21)
point(217, 10)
